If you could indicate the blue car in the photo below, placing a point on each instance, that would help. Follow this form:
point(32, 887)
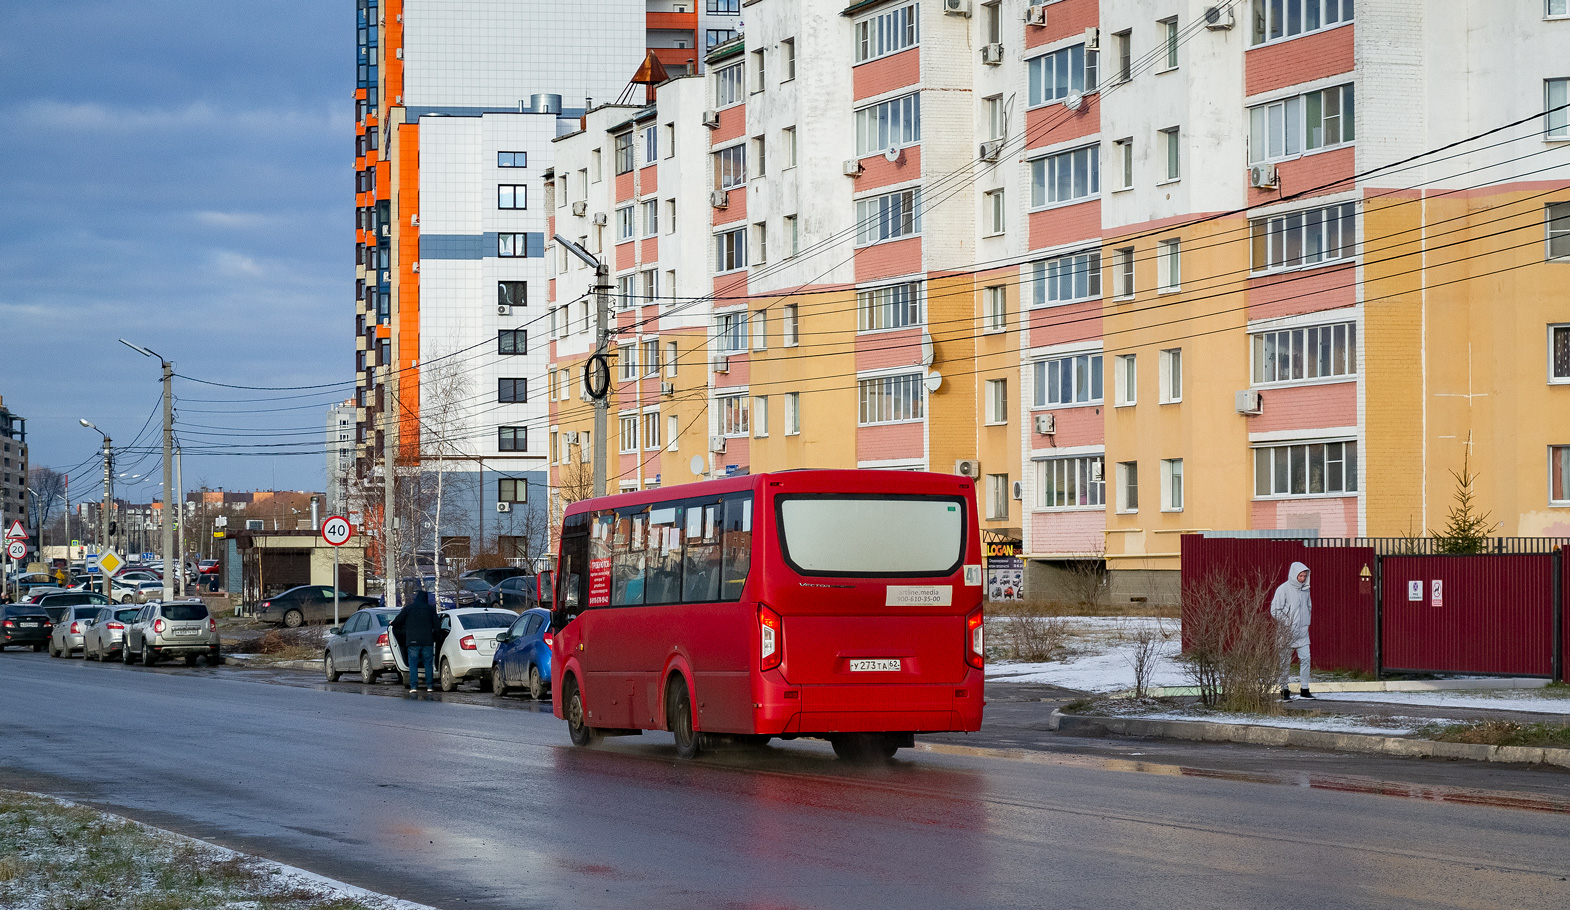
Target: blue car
point(523, 655)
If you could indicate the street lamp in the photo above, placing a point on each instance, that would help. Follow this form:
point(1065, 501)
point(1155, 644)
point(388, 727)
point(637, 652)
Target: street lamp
point(168, 525)
point(103, 516)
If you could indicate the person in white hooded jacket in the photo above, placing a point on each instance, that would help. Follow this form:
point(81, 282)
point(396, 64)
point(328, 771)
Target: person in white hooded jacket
point(1292, 610)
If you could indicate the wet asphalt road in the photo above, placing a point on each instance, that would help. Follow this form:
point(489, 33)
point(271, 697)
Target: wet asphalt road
point(452, 801)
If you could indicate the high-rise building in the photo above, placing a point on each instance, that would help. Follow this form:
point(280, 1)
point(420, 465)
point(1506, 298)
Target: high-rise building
point(339, 444)
point(13, 467)
point(457, 110)
point(1140, 268)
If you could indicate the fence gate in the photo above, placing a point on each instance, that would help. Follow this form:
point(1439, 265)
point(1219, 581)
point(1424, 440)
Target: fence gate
point(1491, 614)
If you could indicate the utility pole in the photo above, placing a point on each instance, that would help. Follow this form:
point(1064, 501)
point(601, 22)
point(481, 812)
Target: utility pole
point(103, 516)
point(602, 313)
point(389, 519)
point(168, 522)
point(179, 482)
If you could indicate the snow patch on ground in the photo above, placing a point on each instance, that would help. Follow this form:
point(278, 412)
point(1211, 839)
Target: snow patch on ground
point(1101, 657)
point(1495, 700)
point(1340, 723)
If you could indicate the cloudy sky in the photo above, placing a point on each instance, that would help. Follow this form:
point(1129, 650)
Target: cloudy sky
point(177, 173)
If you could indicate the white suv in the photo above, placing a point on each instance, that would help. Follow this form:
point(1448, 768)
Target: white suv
point(183, 627)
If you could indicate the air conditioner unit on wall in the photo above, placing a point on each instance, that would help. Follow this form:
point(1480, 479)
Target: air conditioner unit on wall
point(1218, 17)
point(504, 507)
point(667, 388)
point(967, 467)
point(852, 167)
point(1047, 424)
point(717, 445)
point(1263, 176)
point(580, 208)
point(572, 437)
point(1249, 402)
point(1092, 39)
point(599, 218)
point(711, 119)
point(992, 150)
point(503, 309)
point(956, 7)
point(721, 363)
point(992, 54)
point(1097, 471)
point(719, 198)
point(1019, 489)
point(1036, 15)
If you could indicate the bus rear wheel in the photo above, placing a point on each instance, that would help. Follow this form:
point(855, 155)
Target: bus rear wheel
point(572, 708)
point(678, 718)
point(865, 748)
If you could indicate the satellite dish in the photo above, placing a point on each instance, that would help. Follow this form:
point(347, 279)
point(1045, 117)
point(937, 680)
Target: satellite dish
point(1073, 101)
point(934, 380)
point(892, 153)
point(697, 465)
point(926, 349)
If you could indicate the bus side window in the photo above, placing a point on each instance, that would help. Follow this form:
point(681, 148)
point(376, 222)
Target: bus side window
point(628, 559)
point(662, 583)
point(573, 569)
point(738, 546)
point(701, 565)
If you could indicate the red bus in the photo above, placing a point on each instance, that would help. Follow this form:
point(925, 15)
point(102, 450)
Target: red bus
point(844, 605)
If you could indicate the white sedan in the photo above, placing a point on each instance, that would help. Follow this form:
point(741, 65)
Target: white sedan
point(465, 645)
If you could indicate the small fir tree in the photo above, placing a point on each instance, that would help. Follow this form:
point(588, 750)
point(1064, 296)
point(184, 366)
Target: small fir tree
point(1465, 531)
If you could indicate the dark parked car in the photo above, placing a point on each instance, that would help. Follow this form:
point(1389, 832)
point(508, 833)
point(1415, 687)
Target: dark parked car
point(52, 602)
point(446, 596)
point(24, 624)
point(309, 603)
point(492, 576)
point(517, 593)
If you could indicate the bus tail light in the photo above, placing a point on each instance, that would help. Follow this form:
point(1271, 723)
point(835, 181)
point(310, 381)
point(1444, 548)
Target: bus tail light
point(771, 638)
point(467, 643)
point(975, 641)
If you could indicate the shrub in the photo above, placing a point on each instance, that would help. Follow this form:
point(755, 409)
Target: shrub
point(1233, 649)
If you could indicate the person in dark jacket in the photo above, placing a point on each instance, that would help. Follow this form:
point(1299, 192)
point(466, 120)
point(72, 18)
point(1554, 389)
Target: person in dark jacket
point(415, 626)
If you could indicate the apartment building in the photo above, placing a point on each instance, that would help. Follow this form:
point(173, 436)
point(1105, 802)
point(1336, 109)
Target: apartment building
point(13, 467)
point(1140, 267)
point(339, 444)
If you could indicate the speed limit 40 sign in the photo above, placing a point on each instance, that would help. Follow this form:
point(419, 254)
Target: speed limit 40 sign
point(337, 530)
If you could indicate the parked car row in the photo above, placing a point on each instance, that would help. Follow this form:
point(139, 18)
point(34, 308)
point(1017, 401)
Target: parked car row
point(499, 649)
point(101, 631)
point(509, 589)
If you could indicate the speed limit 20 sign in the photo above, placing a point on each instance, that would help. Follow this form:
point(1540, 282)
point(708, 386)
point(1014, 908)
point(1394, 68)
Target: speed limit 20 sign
point(337, 530)
point(16, 549)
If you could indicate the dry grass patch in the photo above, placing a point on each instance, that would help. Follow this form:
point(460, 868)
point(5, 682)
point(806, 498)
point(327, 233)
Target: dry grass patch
point(1030, 631)
point(284, 644)
point(1505, 733)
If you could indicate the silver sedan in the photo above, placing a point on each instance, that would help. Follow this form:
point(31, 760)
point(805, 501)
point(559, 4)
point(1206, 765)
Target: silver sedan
point(70, 629)
point(105, 639)
point(360, 644)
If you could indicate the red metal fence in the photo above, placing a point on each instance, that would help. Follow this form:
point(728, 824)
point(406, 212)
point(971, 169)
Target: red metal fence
point(1493, 614)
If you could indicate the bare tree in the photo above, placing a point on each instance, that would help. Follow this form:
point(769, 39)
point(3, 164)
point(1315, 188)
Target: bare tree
point(1147, 639)
point(444, 389)
point(48, 489)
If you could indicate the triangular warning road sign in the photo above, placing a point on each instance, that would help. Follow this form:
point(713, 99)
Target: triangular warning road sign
point(16, 531)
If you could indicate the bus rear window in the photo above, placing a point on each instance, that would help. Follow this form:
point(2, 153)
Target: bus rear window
point(872, 535)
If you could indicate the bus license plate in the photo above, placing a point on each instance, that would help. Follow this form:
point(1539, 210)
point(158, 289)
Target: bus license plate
point(875, 666)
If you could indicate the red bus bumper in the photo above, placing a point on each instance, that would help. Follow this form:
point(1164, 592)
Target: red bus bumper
point(780, 708)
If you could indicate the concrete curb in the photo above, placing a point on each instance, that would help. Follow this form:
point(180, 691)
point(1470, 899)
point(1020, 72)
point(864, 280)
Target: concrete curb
point(1394, 685)
point(1253, 734)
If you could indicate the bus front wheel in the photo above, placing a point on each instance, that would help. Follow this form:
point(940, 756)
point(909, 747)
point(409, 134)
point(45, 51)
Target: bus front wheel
point(678, 718)
point(865, 748)
point(572, 707)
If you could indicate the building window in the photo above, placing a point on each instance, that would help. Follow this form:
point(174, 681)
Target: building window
point(760, 330)
point(895, 123)
point(651, 145)
point(997, 401)
point(760, 416)
point(1065, 279)
point(670, 140)
point(787, 148)
point(730, 250)
point(670, 216)
point(1053, 77)
point(1304, 238)
point(1307, 354)
point(1125, 380)
point(760, 243)
point(1558, 8)
point(1274, 20)
point(1123, 150)
point(1123, 48)
point(732, 411)
point(792, 236)
point(1168, 29)
point(730, 167)
point(725, 7)
point(996, 309)
point(512, 341)
point(1172, 485)
point(627, 425)
point(1065, 177)
point(887, 33)
point(716, 36)
point(730, 332)
point(512, 439)
point(512, 391)
point(651, 286)
point(994, 212)
point(512, 489)
point(627, 356)
point(651, 218)
point(1556, 216)
point(727, 84)
point(1123, 272)
point(1070, 483)
point(1128, 486)
point(759, 156)
point(1169, 272)
point(512, 196)
point(651, 358)
point(891, 399)
point(1171, 375)
point(651, 430)
point(997, 497)
point(626, 292)
point(1068, 380)
point(759, 82)
point(512, 293)
point(789, 329)
point(787, 59)
point(671, 350)
point(1557, 123)
point(1559, 475)
point(512, 246)
point(994, 116)
point(1303, 123)
point(672, 433)
point(624, 223)
point(888, 217)
point(1172, 150)
point(897, 306)
point(512, 159)
point(792, 413)
point(1314, 469)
